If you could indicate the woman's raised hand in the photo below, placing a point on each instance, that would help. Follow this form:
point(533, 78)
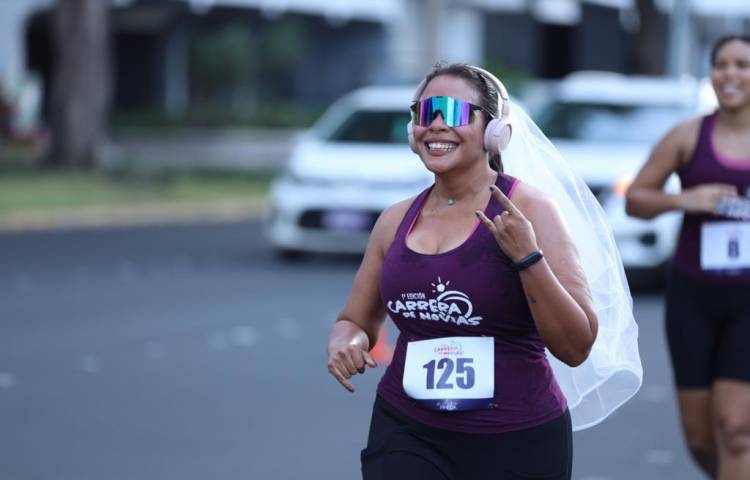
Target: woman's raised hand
point(705, 198)
point(512, 230)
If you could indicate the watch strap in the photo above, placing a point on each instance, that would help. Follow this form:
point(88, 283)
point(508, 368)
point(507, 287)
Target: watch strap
point(528, 260)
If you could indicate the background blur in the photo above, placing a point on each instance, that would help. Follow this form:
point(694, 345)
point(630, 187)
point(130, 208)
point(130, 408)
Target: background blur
point(148, 327)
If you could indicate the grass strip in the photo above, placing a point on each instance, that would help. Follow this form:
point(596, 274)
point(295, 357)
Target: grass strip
point(25, 188)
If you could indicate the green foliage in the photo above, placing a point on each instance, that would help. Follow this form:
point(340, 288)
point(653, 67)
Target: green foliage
point(284, 44)
point(222, 68)
point(241, 76)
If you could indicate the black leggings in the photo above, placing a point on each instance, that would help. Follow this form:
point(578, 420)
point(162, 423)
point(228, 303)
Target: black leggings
point(401, 448)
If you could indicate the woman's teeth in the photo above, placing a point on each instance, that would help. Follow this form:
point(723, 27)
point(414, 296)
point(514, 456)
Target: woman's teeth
point(442, 147)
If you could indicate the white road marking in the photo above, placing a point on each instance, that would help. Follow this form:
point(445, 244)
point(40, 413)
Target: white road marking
point(90, 364)
point(244, 336)
point(7, 380)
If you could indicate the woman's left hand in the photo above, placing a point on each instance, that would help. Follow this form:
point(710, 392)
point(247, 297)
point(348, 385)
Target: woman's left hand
point(512, 230)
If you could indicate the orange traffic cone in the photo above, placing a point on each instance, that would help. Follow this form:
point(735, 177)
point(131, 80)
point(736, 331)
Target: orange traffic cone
point(382, 352)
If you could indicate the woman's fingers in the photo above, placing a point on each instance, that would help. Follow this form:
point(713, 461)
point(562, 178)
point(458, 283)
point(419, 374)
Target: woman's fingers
point(486, 221)
point(497, 226)
point(506, 203)
point(724, 189)
point(336, 372)
point(348, 362)
point(344, 364)
point(368, 360)
point(511, 228)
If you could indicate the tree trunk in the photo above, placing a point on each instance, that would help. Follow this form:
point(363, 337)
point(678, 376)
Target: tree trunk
point(651, 39)
point(80, 82)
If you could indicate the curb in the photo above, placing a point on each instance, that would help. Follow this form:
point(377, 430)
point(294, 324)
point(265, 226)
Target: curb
point(130, 216)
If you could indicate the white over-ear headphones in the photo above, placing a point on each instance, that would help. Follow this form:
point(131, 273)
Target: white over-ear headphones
point(498, 131)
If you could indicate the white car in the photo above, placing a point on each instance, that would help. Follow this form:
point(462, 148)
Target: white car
point(352, 164)
point(605, 125)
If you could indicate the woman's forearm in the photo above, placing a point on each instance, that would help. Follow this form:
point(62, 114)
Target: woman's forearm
point(648, 203)
point(564, 326)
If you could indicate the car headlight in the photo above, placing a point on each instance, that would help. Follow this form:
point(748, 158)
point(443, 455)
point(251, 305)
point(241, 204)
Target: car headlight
point(621, 185)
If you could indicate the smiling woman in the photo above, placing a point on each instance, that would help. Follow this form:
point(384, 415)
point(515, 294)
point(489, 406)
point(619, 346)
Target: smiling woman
point(708, 310)
point(460, 270)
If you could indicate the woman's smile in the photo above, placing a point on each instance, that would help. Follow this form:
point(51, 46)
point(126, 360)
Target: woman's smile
point(437, 149)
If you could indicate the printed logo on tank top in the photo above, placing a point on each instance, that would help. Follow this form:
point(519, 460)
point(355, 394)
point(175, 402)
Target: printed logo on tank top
point(440, 305)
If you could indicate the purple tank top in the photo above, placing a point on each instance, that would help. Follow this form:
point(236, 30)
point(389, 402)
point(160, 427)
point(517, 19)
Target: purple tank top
point(707, 166)
point(486, 299)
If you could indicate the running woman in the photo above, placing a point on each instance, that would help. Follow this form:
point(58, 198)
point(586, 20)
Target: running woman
point(480, 275)
point(708, 306)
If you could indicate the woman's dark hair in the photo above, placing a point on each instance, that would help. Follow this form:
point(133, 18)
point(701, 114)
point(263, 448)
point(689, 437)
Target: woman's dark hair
point(485, 87)
point(723, 41)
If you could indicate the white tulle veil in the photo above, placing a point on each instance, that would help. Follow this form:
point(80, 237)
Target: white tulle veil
point(612, 373)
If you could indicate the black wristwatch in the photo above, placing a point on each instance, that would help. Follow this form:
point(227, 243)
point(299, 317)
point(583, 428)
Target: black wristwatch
point(528, 260)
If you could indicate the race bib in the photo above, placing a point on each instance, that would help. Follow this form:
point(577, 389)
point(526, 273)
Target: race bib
point(725, 246)
point(451, 373)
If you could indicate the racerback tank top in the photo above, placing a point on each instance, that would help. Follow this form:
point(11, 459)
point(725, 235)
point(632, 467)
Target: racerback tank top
point(471, 290)
point(708, 166)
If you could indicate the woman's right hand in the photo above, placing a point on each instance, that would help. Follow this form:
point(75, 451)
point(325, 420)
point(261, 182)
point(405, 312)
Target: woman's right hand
point(347, 358)
point(705, 198)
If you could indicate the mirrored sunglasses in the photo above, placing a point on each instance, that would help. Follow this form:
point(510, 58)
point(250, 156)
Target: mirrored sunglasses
point(455, 112)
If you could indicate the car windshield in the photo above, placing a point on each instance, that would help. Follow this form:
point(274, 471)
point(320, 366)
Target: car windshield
point(371, 126)
point(609, 122)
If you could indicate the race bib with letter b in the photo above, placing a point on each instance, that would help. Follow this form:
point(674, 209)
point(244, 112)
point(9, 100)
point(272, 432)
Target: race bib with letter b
point(725, 246)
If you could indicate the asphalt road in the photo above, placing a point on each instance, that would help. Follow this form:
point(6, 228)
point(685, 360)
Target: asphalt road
point(181, 353)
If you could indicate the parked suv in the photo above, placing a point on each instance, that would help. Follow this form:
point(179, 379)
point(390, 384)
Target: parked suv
point(605, 125)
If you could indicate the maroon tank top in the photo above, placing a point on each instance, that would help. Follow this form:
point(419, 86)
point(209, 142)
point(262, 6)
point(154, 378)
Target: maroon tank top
point(708, 166)
point(486, 299)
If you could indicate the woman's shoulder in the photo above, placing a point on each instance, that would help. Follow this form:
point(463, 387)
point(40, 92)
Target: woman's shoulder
point(526, 194)
point(684, 135)
point(682, 139)
point(389, 220)
point(393, 215)
point(531, 200)
point(690, 128)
